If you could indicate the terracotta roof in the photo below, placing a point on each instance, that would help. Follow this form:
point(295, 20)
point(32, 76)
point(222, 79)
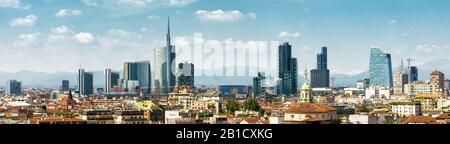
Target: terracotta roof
point(417, 119)
point(309, 108)
point(444, 116)
point(251, 120)
point(265, 121)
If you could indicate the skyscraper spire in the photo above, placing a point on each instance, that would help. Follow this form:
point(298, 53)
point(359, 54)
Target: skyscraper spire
point(168, 31)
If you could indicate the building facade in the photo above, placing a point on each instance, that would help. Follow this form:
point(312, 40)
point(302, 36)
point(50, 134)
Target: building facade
point(186, 75)
point(65, 85)
point(13, 88)
point(141, 72)
point(165, 79)
point(287, 69)
point(437, 79)
point(380, 68)
point(320, 77)
point(85, 82)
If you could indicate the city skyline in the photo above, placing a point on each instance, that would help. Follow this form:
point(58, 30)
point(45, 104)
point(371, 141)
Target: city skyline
point(57, 39)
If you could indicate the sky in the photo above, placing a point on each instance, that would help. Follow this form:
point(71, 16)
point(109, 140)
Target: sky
point(61, 35)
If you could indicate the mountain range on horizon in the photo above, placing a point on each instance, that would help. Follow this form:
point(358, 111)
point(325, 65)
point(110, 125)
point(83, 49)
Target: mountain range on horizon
point(53, 80)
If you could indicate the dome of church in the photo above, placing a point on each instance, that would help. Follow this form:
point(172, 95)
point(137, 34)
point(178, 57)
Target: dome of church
point(306, 86)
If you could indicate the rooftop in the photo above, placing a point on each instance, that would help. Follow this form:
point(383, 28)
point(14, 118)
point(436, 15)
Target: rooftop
point(309, 108)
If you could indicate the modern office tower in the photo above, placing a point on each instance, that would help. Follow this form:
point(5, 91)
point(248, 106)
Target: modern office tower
point(65, 85)
point(111, 79)
point(85, 82)
point(186, 74)
point(107, 80)
point(413, 74)
point(258, 84)
point(437, 79)
point(287, 69)
point(141, 72)
point(165, 79)
point(380, 68)
point(320, 77)
point(13, 88)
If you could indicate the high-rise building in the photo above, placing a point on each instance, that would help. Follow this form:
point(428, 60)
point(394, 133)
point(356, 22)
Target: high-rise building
point(258, 84)
point(65, 85)
point(13, 88)
point(85, 82)
point(413, 74)
point(165, 79)
point(320, 77)
point(437, 79)
point(186, 75)
point(380, 69)
point(141, 72)
point(287, 69)
point(107, 80)
point(111, 79)
point(400, 79)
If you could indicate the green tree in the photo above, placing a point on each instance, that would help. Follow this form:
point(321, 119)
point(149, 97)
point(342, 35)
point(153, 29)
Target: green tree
point(232, 105)
point(252, 104)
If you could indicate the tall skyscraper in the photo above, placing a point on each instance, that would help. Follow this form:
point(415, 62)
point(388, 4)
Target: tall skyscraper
point(413, 74)
point(287, 69)
point(186, 74)
point(141, 72)
point(165, 79)
point(107, 80)
point(65, 85)
point(13, 88)
point(258, 84)
point(111, 79)
point(85, 82)
point(320, 77)
point(380, 68)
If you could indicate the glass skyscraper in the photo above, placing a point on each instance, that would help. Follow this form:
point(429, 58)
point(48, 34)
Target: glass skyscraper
point(186, 75)
point(65, 85)
point(380, 69)
point(320, 77)
point(139, 71)
point(165, 79)
point(13, 88)
point(287, 69)
point(413, 74)
point(85, 82)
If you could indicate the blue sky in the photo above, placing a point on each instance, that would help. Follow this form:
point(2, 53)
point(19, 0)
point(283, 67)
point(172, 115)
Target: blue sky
point(58, 35)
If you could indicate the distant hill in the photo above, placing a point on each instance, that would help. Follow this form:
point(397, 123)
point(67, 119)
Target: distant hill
point(53, 80)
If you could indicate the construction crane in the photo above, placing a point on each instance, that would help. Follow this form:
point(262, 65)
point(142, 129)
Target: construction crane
point(332, 86)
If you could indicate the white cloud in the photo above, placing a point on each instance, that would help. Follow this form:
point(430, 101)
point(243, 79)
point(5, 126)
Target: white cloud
point(223, 16)
point(13, 4)
point(119, 38)
point(59, 34)
point(68, 12)
point(26, 40)
point(285, 34)
point(29, 20)
point(84, 38)
point(431, 49)
point(137, 3)
point(61, 30)
point(180, 2)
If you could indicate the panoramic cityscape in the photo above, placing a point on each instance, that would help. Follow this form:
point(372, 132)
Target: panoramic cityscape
point(194, 80)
